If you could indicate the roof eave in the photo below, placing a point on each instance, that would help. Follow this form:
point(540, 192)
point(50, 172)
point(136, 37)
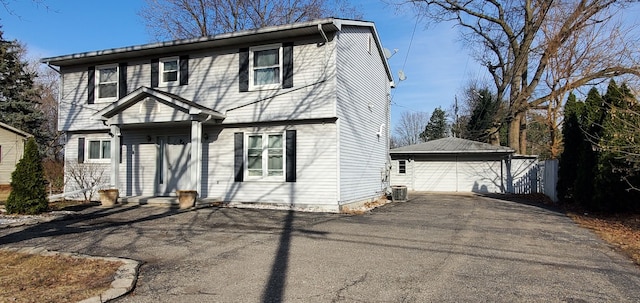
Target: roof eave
point(455, 152)
point(234, 38)
point(15, 130)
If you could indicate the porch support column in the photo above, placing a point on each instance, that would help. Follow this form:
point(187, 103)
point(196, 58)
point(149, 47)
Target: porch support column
point(115, 156)
point(196, 155)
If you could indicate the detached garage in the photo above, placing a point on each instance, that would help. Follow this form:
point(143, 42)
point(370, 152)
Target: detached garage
point(457, 165)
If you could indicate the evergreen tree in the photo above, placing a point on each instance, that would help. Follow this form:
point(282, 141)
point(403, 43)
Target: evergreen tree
point(19, 99)
point(610, 189)
point(591, 126)
point(437, 126)
point(28, 192)
point(481, 125)
point(573, 139)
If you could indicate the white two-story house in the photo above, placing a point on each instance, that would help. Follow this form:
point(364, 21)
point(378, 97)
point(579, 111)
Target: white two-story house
point(293, 116)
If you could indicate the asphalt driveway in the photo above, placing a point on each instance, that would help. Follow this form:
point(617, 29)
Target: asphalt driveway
point(434, 248)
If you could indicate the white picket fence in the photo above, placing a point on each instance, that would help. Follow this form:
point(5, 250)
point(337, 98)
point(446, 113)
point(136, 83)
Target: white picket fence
point(533, 176)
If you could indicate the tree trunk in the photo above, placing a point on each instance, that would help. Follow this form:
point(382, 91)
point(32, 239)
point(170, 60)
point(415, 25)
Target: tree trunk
point(523, 133)
point(514, 134)
point(518, 133)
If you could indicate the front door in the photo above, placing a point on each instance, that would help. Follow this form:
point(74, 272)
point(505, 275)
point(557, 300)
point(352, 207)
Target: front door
point(174, 157)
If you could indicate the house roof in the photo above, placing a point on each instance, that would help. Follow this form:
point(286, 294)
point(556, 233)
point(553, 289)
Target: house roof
point(451, 146)
point(170, 99)
point(15, 130)
point(228, 39)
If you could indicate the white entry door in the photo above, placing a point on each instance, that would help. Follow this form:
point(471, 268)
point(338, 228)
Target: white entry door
point(174, 157)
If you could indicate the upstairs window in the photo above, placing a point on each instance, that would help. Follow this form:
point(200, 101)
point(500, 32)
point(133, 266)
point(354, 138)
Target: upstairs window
point(266, 67)
point(99, 150)
point(107, 83)
point(169, 71)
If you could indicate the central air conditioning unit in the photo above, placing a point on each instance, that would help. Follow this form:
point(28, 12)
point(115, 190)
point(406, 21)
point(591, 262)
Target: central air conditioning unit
point(399, 193)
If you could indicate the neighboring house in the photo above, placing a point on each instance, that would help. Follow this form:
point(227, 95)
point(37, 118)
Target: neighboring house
point(12, 142)
point(294, 115)
point(460, 165)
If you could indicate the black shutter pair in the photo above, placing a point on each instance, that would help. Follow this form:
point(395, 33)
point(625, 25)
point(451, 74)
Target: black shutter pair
point(287, 64)
point(290, 141)
point(91, 82)
point(183, 62)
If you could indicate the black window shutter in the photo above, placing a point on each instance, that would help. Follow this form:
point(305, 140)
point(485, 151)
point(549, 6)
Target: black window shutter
point(243, 73)
point(122, 79)
point(184, 70)
point(155, 69)
point(287, 61)
point(80, 150)
point(238, 156)
point(121, 147)
point(291, 156)
point(91, 84)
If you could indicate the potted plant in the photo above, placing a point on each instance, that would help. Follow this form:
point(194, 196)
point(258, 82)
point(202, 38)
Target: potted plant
point(187, 198)
point(108, 197)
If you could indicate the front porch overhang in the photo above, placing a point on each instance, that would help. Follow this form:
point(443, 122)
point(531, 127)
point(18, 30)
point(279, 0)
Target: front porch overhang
point(148, 105)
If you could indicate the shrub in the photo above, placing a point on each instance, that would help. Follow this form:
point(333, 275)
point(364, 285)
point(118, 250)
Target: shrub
point(28, 194)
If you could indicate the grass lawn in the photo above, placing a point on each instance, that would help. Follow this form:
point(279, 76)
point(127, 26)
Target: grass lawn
point(36, 278)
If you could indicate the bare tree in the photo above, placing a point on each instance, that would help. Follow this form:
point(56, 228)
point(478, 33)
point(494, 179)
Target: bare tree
point(517, 41)
point(85, 178)
point(179, 19)
point(583, 53)
point(409, 128)
point(7, 4)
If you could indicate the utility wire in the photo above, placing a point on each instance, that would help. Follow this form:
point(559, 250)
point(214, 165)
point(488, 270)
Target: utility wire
point(404, 64)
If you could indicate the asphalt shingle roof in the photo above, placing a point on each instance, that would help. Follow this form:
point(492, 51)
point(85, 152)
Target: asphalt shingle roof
point(451, 146)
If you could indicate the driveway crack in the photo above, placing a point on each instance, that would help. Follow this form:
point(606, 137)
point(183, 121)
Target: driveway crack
point(339, 293)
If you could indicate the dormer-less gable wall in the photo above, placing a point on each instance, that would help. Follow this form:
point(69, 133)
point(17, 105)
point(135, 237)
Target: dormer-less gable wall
point(363, 90)
point(213, 78)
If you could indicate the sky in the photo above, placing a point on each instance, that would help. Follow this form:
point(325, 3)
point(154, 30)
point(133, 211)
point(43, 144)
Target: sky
point(434, 62)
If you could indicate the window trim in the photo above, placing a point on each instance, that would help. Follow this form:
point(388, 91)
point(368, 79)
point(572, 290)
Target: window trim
point(87, 151)
point(161, 82)
point(276, 85)
point(402, 165)
point(99, 69)
point(265, 157)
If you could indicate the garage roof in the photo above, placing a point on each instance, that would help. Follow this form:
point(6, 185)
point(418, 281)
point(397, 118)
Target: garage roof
point(452, 146)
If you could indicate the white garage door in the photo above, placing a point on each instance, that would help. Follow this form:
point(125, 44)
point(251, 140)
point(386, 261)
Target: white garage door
point(458, 176)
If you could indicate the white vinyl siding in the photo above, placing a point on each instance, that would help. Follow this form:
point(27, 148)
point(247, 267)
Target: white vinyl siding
point(96, 172)
point(337, 106)
point(362, 108)
point(214, 75)
point(11, 151)
point(452, 174)
point(316, 159)
point(406, 178)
